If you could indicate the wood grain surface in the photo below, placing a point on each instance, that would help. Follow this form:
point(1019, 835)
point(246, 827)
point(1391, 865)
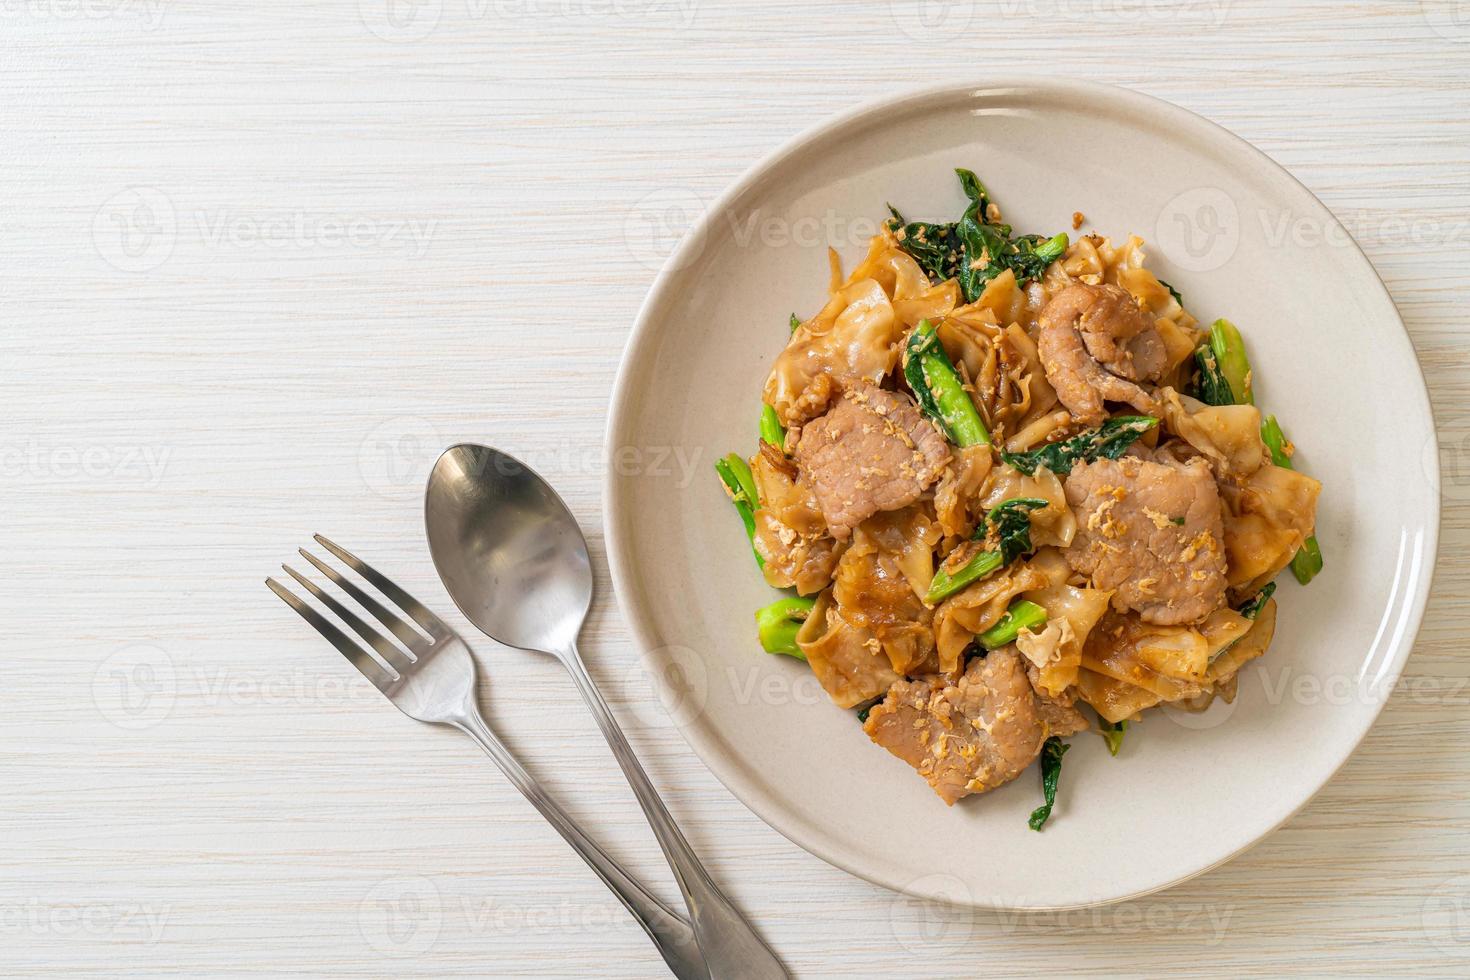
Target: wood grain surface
point(261, 261)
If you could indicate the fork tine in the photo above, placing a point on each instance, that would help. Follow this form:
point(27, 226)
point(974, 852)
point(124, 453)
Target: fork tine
point(359, 657)
point(394, 657)
point(406, 602)
point(395, 623)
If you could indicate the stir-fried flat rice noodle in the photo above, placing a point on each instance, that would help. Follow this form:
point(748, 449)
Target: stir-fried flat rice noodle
point(1095, 522)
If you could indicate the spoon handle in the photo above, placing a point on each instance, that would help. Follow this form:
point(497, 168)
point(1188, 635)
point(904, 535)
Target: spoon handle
point(731, 947)
point(668, 930)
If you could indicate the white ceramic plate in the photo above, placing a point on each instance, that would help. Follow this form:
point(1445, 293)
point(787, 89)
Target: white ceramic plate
point(1239, 238)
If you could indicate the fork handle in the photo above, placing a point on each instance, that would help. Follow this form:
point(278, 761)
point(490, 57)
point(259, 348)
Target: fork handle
point(731, 947)
point(669, 930)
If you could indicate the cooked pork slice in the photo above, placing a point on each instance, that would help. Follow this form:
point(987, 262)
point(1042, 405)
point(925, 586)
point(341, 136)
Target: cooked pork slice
point(871, 452)
point(1120, 336)
point(1095, 346)
point(1152, 531)
point(1058, 715)
point(973, 735)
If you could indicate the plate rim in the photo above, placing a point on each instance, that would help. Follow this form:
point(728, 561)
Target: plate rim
point(771, 810)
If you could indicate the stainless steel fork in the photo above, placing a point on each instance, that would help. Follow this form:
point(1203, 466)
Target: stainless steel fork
point(429, 675)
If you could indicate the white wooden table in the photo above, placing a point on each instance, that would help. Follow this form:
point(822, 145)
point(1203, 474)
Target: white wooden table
point(261, 261)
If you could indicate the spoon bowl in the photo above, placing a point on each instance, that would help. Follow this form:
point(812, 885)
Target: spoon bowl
point(509, 551)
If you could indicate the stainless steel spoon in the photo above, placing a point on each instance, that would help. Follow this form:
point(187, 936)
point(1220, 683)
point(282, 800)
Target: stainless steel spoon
point(515, 562)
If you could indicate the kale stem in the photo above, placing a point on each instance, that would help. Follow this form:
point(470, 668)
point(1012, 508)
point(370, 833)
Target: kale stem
point(772, 430)
point(740, 485)
point(1023, 615)
point(778, 624)
point(1007, 525)
point(936, 384)
point(1051, 249)
point(1307, 562)
point(945, 584)
point(1229, 349)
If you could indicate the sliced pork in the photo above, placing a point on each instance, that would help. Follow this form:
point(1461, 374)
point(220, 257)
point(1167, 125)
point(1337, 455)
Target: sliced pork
point(1152, 531)
point(871, 452)
point(973, 735)
point(1096, 346)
